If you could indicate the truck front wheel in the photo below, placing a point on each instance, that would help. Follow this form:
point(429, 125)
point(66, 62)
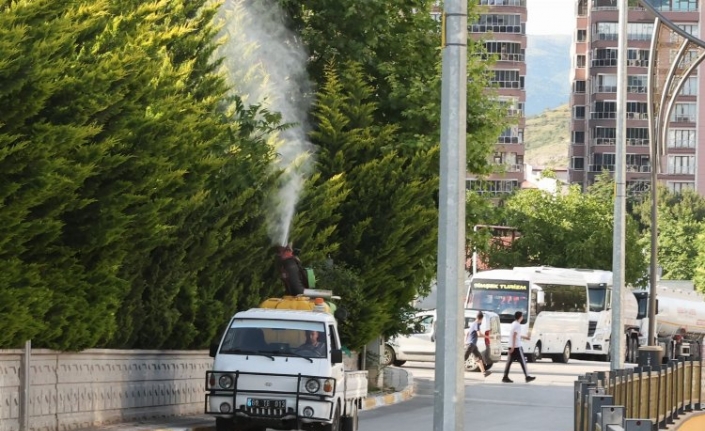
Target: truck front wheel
point(349, 422)
point(224, 424)
point(335, 425)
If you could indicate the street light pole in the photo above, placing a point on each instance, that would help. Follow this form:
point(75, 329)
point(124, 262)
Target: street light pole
point(618, 239)
point(449, 394)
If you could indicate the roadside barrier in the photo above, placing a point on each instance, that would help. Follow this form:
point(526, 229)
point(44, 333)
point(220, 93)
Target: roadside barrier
point(645, 398)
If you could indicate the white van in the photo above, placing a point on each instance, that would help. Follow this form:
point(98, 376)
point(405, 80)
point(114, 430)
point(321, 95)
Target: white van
point(420, 345)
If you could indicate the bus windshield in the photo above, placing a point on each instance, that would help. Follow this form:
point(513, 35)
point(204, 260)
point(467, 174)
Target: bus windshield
point(504, 297)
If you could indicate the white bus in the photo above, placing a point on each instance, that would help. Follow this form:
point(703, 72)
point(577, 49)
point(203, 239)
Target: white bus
point(566, 311)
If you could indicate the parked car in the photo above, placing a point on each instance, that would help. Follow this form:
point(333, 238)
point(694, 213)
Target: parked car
point(420, 345)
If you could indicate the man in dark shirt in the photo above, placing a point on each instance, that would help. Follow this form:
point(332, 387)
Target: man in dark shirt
point(471, 342)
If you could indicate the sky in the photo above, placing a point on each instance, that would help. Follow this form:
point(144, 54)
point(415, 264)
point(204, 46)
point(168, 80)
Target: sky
point(550, 16)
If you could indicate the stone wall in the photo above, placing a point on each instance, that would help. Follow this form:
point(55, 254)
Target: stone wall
point(68, 391)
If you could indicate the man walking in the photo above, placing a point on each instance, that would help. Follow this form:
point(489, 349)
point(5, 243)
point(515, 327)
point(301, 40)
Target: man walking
point(516, 353)
point(471, 341)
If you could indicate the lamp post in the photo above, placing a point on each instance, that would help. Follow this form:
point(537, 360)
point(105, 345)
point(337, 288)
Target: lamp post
point(449, 383)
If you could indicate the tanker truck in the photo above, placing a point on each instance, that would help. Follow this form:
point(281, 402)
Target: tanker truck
point(680, 321)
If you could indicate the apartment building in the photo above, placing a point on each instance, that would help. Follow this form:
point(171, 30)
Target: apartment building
point(593, 98)
point(502, 26)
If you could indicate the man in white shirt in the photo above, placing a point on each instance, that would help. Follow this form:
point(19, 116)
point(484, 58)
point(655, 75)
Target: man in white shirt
point(516, 353)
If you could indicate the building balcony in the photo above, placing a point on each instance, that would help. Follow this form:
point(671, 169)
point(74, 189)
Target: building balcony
point(509, 140)
point(600, 168)
point(487, 28)
point(515, 3)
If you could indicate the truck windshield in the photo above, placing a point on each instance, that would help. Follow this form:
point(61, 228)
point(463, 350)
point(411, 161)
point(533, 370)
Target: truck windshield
point(275, 338)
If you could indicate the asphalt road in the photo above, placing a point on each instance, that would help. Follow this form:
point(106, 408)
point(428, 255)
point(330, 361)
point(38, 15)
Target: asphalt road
point(545, 404)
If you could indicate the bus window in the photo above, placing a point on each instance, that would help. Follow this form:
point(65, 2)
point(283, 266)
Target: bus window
point(565, 298)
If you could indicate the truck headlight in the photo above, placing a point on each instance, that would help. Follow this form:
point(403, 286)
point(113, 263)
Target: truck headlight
point(225, 408)
point(313, 385)
point(225, 381)
point(308, 412)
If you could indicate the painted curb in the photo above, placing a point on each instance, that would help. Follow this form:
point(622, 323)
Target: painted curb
point(397, 397)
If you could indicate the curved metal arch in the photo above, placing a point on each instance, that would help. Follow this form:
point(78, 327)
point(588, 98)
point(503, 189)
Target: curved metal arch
point(670, 24)
point(666, 76)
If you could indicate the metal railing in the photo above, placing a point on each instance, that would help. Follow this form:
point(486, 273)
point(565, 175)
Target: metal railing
point(656, 396)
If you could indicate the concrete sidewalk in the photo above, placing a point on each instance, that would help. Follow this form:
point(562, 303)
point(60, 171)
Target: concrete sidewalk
point(401, 380)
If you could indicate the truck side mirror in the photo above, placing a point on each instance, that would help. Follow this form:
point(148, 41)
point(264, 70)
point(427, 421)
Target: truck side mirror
point(336, 356)
point(213, 350)
point(540, 297)
point(341, 314)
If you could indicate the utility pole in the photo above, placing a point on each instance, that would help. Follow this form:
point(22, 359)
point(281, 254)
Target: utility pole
point(449, 391)
point(620, 204)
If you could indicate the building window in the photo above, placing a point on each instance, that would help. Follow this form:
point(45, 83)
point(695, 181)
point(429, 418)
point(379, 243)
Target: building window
point(604, 135)
point(691, 29)
point(638, 163)
point(493, 187)
point(637, 136)
point(681, 165)
point(505, 51)
point(683, 113)
point(638, 57)
point(606, 83)
point(605, 31)
point(676, 5)
point(580, 61)
point(577, 163)
point(680, 186)
point(638, 187)
point(579, 86)
point(604, 110)
point(604, 57)
point(511, 135)
point(498, 23)
point(690, 87)
point(638, 110)
point(508, 79)
point(579, 112)
point(639, 31)
point(602, 162)
point(637, 83)
point(582, 35)
point(578, 137)
point(582, 7)
point(681, 138)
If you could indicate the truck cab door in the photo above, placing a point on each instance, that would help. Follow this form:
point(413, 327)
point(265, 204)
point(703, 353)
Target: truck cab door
point(337, 370)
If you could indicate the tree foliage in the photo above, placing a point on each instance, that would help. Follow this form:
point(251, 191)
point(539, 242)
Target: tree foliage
point(135, 181)
point(571, 230)
point(680, 222)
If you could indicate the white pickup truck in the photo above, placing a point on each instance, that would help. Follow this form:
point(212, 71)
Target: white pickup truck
point(267, 373)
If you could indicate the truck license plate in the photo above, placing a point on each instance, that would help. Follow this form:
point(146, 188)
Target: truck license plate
point(266, 403)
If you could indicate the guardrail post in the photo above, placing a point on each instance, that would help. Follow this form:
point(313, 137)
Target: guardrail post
point(24, 386)
point(595, 403)
point(680, 387)
point(638, 425)
point(699, 383)
point(611, 415)
point(579, 389)
point(670, 388)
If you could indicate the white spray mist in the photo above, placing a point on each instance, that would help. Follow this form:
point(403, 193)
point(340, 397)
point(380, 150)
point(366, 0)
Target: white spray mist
point(265, 66)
